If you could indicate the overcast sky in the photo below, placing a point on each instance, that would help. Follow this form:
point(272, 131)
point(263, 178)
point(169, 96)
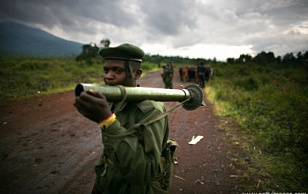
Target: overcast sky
point(187, 28)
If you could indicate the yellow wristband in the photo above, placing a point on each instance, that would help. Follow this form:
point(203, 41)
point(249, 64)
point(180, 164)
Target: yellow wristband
point(107, 122)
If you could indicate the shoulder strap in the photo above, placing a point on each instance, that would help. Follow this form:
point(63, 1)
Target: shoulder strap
point(162, 115)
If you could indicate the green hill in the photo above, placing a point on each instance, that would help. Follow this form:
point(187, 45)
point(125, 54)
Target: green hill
point(20, 40)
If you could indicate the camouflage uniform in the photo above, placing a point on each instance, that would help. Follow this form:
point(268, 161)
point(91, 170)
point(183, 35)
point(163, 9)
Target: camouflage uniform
point(201, 70)
point(167, 76)
point(130, 162)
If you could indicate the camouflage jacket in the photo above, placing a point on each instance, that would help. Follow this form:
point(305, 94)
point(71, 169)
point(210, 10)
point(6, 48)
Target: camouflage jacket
point(130, 159)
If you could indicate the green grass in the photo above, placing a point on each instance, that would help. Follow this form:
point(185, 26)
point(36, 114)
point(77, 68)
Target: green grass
point(24, 77)
point(270, 105)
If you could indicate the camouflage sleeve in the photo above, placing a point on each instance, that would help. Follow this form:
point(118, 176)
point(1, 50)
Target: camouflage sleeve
point(137, 156)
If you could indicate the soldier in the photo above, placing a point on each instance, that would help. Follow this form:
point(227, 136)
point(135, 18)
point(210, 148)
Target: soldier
point(208, 72)
point(185, 73)
point(133, 141)
point(181, 73)
point(201, 70)
point(167, 76)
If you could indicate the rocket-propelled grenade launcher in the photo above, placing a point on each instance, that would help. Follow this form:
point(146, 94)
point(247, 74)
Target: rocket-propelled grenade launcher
point(192, 94)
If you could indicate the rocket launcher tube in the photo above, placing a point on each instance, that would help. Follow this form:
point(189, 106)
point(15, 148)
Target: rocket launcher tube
point(192, 93)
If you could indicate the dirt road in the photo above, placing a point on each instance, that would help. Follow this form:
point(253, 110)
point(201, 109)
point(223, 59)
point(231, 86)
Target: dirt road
point(47, 147)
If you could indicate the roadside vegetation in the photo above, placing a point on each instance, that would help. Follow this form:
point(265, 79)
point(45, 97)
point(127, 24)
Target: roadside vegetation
point(269, 105)
point(23, 77)
point(264, 107)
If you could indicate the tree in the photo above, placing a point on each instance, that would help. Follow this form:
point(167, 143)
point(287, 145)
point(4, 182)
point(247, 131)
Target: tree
point(299, 57)
point(264, 58)
point(230, 60)
point(305, 56)
point(105, 42)
point(88, 52)
point(244, 58)
point(289, 57)
point(214, 60)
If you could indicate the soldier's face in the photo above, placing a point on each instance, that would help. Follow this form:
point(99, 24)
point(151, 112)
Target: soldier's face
point(115, 74)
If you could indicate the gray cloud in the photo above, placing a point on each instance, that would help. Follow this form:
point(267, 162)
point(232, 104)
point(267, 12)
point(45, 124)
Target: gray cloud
point(168, 17)
point(68, 14)
point(263, 25)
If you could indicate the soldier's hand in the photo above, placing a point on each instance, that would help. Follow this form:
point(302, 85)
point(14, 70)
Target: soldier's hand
point(93, 106)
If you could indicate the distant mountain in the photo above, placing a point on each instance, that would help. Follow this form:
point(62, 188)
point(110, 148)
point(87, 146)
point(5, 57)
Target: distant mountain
point(20, 40)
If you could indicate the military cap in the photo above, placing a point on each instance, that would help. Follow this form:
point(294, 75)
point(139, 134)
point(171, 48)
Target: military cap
point(123, 52)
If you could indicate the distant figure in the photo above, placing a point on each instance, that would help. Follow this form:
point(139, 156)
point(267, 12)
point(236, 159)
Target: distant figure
point(191, 74)
point(196, 74)
point(201, 70)
point(181, 73)
point(167, 76)
point(185, 73)
point(208, 73)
